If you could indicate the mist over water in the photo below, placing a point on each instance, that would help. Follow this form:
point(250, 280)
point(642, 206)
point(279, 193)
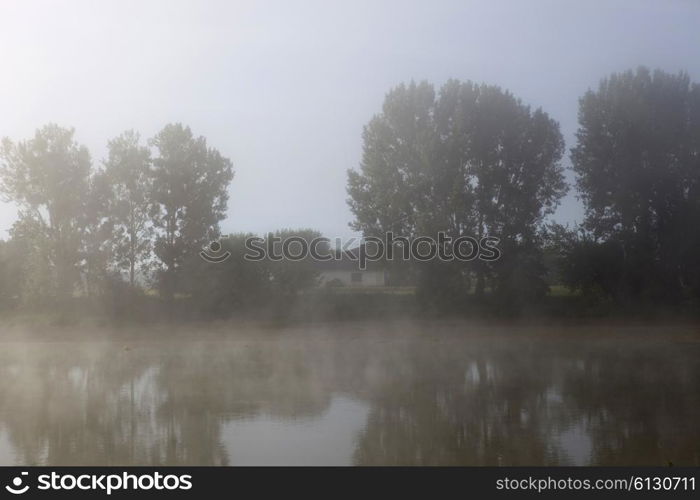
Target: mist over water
point(370, 393)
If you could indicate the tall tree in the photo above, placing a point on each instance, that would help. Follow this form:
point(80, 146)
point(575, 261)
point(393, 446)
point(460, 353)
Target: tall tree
point(502, 160)
point(473, 161)
point(128, 172)
point(97, 231)
point(637, 159)
point(189, 195)
point(48, 178)
point(386, 194)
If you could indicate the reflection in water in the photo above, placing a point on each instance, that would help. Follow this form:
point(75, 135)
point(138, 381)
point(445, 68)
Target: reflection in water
point(428, 397)
point(328, 439)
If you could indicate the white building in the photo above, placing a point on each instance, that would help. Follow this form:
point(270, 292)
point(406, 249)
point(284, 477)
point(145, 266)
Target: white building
point(345, 271)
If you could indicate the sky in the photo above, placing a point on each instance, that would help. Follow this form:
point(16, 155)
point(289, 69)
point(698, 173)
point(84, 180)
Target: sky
point(284, 88)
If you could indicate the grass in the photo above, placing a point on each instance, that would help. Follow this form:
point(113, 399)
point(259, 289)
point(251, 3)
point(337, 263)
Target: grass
point(562, 291)
point(392, 290)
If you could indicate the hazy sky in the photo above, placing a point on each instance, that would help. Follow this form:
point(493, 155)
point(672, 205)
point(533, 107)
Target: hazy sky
point(284, 88)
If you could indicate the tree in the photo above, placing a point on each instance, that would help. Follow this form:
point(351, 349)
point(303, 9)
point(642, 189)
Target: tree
point(128, 172)
point(234, 285)
point(637, 161)
point(48, 178)
point(584, 263)
point(386, 194)
point(12, 267)
point(509, 157)
point(290, 276)
point(189, 196)
point(97, 232)
point(473, 161)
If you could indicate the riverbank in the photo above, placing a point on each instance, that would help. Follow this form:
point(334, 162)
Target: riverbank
point(593, 329)
point(337, 307)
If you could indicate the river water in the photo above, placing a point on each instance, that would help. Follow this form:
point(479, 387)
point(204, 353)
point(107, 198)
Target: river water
point(365, 394)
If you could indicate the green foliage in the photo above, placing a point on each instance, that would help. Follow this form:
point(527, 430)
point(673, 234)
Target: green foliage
point(638, 165)
point(82, 226)
point(12, 265)
point(471, 161)
point(189, 197)
point(48, 178)
point(97, 228)
point(128, 172)
point(240, 284)
point(585, 264)
point(289, 277)
point(231, 286)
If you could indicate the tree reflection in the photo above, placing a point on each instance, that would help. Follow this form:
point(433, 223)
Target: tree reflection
point(447, 400)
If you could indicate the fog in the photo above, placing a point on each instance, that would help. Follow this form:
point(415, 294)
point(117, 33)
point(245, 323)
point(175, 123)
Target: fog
point(284, 88)
point(389, 393)
point(159, 159)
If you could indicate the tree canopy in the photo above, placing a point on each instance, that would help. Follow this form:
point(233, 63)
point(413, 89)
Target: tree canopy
point(469, 160)
point(637, 160)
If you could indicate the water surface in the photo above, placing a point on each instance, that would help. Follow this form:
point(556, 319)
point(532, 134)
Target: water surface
point(365, 394)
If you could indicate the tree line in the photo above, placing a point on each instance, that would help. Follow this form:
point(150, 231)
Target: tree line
point(474, 160)
point(137, 216)
point(467, 160)
point(113, 233)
